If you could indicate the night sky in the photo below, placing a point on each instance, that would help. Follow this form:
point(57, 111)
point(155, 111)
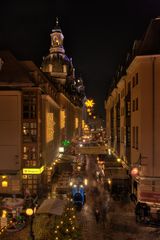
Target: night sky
point(97, 34)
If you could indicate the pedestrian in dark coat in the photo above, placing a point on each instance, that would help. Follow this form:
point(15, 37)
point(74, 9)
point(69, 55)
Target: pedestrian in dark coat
point(97, 215)
point(104, 215)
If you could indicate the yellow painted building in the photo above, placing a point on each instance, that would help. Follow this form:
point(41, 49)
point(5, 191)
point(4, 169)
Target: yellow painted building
point(38, 111)
point(133, 118)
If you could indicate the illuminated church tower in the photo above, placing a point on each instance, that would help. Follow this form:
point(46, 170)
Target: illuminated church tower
point(57, 64)
point(57, 40)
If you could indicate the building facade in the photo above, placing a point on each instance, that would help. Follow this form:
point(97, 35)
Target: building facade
point(133, 118)
point(40, 108)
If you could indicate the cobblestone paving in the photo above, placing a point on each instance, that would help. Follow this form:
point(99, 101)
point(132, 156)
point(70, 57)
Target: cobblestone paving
point(120, 223)
point(90, 229)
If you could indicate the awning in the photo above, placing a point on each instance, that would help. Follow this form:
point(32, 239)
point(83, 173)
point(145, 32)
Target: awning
point(52, 206)
point(66, 157)
point(12, 203)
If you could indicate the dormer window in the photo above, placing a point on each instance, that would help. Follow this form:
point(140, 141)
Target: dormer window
point(1, 63)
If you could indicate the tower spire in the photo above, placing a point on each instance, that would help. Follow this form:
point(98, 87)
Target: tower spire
point(57, 39)
point(57, 27)
point(57, 22)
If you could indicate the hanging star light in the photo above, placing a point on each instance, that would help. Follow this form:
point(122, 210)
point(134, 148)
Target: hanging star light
point(89, 103)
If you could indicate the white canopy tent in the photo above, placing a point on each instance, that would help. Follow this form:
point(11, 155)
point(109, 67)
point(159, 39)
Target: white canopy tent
point(52, 206)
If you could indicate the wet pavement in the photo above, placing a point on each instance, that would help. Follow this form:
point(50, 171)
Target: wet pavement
point(120, 221)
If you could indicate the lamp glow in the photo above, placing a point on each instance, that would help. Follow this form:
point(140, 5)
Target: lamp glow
point(29, 211)
point(134, 171)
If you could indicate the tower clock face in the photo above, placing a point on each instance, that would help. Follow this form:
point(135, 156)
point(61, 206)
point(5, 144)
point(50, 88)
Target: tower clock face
point(56, 41)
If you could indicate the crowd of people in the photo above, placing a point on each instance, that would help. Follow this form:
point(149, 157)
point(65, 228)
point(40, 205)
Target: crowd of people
point(98, 197)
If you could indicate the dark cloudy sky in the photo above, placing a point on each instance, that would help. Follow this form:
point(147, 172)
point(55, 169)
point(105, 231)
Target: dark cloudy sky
point(97, 34)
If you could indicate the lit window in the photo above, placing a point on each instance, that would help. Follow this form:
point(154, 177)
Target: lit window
point(50, 68)
point(64, 68)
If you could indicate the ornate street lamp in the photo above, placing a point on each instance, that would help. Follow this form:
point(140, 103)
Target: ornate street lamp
point(30, 212)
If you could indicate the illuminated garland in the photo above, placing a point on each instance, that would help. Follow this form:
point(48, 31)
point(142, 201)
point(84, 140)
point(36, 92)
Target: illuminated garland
point(3, 230)
point(67, 228)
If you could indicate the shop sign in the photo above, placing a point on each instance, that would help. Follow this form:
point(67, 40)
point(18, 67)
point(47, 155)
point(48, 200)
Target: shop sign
point(33, 170)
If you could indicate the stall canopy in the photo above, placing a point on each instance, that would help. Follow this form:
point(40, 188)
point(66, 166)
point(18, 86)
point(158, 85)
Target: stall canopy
point(52, 206)
point(67, 157)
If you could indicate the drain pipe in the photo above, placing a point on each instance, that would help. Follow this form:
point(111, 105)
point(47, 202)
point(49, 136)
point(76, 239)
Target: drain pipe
point(153, 114)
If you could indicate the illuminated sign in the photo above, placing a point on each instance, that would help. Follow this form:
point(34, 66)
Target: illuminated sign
point(33, 170)
point(4, 183)
point(61, 149)
point(65, 143)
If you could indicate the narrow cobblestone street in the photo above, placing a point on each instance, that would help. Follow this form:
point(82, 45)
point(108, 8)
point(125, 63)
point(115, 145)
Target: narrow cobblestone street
point(120, 220)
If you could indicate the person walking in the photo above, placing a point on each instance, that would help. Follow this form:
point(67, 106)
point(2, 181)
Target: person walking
point(104, 215)
point(97, 215)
